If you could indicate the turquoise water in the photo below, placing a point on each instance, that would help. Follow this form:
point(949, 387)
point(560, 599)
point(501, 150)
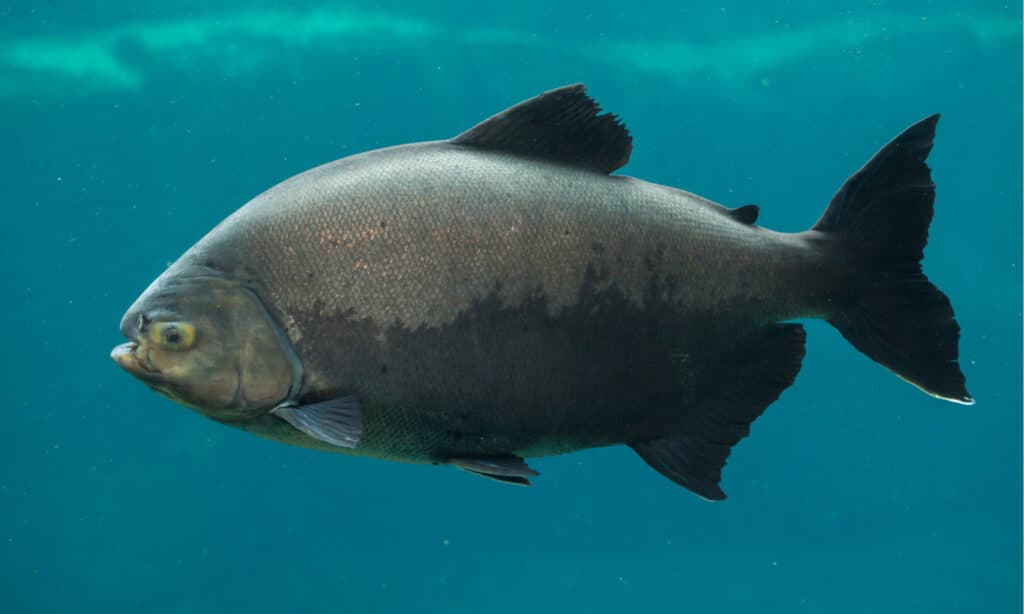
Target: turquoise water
point(131, 130)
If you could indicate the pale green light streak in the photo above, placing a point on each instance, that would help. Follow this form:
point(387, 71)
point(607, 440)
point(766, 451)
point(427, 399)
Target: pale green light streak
point(238, 43)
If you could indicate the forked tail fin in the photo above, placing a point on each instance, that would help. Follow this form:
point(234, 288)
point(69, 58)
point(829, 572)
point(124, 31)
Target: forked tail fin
point(896, 316)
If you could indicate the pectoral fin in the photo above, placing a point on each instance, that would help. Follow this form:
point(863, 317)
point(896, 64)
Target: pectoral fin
point(509, 469)
point(338, 422)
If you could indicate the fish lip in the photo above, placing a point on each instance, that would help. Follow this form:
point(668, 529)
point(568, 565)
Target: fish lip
point(128, 358)
point(120, 352)
point(125, 357)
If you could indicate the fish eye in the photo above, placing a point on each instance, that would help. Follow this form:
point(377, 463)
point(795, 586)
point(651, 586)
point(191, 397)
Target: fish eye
point(175, 336)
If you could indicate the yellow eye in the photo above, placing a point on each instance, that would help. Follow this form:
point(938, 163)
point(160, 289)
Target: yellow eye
point(175, 336)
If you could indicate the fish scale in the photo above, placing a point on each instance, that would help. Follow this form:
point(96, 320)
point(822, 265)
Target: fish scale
point(422, 258)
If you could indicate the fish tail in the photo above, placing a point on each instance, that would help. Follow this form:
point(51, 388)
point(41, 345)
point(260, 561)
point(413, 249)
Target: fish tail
point(893, 314)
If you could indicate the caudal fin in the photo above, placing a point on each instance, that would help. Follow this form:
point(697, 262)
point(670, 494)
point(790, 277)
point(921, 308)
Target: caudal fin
point(896, 316)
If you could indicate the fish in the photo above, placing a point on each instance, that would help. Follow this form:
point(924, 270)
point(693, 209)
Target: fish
point(504, 295)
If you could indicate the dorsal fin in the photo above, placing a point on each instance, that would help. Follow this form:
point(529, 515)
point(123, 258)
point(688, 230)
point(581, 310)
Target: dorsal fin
point(747, 214)
point(561, 125)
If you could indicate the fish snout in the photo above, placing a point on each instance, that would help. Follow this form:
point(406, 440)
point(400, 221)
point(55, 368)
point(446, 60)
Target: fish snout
point(127, 357)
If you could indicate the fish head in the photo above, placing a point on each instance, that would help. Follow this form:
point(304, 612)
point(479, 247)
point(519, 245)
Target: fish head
point(209, 343)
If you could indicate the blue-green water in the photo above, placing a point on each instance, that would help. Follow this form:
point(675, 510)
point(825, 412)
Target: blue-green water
point(130, 130)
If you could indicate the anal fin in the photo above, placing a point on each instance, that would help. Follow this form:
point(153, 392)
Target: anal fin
point(731, 396)
point(693, 464)
point(509, 469)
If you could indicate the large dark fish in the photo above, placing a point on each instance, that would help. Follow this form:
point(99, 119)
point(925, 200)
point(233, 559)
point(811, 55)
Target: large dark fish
point(500, 295)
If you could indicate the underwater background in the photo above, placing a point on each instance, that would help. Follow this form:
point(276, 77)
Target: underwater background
point(131, 128)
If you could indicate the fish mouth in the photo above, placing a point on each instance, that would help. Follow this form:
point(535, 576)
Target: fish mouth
point(127, 357)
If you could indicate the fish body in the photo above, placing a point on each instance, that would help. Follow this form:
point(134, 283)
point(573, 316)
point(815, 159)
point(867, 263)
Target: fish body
point(502, 295)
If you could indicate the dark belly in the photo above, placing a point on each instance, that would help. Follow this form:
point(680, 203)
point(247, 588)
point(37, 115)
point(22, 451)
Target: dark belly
point(519, 380)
